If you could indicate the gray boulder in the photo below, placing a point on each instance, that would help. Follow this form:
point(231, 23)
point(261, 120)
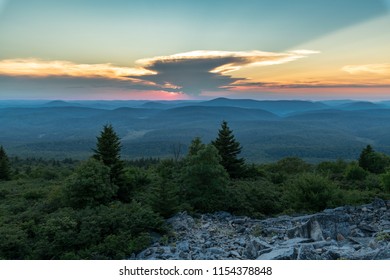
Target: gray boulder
point(288, 253)
point(348, 232)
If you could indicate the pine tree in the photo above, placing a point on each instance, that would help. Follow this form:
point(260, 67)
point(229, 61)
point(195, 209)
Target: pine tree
point(164, 189)
point(5, 171)
point(195, 146)
point(372, 161)
point(228, 148)
point(205, 180)
point(108, 148)
point(365, 157)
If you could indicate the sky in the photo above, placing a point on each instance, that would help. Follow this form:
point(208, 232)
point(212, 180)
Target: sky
point(194, 49)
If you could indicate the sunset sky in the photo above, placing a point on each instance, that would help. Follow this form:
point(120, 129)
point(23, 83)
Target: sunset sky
point(195, 49)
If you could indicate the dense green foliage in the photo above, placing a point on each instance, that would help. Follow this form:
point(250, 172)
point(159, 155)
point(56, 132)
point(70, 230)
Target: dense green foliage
point(228, 148)
point(311, 192)
point(5, 172)
point(90, 185)
point(108, 148)
point(256, 198)
point(67, 209)
point(205, 180)
point(373, 161)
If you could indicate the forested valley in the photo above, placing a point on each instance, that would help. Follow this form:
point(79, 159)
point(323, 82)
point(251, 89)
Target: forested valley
point(105, 207)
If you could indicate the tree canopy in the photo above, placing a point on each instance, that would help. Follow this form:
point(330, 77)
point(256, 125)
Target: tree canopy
point(108, 148)
point(71, 209)
point(5, 171)
point(205, 179)
point(229, 149)
point(90, 185)
point(372, 161)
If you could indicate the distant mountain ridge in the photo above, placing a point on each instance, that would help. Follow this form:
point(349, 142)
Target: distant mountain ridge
point(61, 103)
point(267, 130)
point(274, 106)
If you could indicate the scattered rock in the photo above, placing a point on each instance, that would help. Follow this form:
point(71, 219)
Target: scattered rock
point(315, 231)
point(349, 232)
point(307, 252)
point(340, 237)
point(378, 203)
point(183, 246)
point(288, 253)
point(235, 255)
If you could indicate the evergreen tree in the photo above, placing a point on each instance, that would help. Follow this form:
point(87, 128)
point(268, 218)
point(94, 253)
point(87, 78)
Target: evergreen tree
point(205, 180)
point(5, 171)
point(372, 161)
point(196, 146)
point(90, 185)
point(365, 155)
point(164, 192)
point(228, 148)
point(107, 150)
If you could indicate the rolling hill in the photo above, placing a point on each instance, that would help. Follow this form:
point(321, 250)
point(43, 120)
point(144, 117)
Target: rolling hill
point(267, 130)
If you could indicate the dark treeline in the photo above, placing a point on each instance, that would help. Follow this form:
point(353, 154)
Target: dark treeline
point(108, 208)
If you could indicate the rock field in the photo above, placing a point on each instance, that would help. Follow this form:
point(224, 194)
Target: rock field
point(348, 232)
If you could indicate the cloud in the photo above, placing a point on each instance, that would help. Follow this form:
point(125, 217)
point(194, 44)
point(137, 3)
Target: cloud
point(37, 73)
point(380, 69)
point(189, 73)
point(227, 61)
point(197, 71)
point(40, 68)
point(244, 86)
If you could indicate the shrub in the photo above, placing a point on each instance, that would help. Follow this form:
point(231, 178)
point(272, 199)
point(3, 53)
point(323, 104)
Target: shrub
point(312, 192)
point(90, 185)
point(335, 170)
point(355, 173)
point(164, 194)
point(204, 180)
point(386, 181)
point(254, 198)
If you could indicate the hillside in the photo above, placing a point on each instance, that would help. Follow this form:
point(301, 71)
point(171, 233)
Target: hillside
point(267, 130)
point(280, 107)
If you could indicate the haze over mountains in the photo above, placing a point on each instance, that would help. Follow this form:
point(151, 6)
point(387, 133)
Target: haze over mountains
point(267, 130)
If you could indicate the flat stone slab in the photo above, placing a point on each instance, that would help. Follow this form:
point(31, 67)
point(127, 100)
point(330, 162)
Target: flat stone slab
point(280, 254)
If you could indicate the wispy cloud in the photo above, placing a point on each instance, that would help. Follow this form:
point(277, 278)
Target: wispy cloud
point(190, 72)
point(380, 69)
point(243, 86)
point(41, 68)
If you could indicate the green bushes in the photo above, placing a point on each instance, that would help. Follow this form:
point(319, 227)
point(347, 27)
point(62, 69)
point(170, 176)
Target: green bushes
point(80, 213)
point(90, 185)
point(386, 181)
point(355, 173)
point(114, 231)
point(72, 218)
point(204, 180)
point(164, 190)
point(282, 170)
point(254, 198)
point(372, 161)
point(312, 192)
point(5, 169)
point(13, 242)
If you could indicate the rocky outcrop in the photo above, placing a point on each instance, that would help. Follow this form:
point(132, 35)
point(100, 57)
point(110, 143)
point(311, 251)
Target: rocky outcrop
point(349, 232)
